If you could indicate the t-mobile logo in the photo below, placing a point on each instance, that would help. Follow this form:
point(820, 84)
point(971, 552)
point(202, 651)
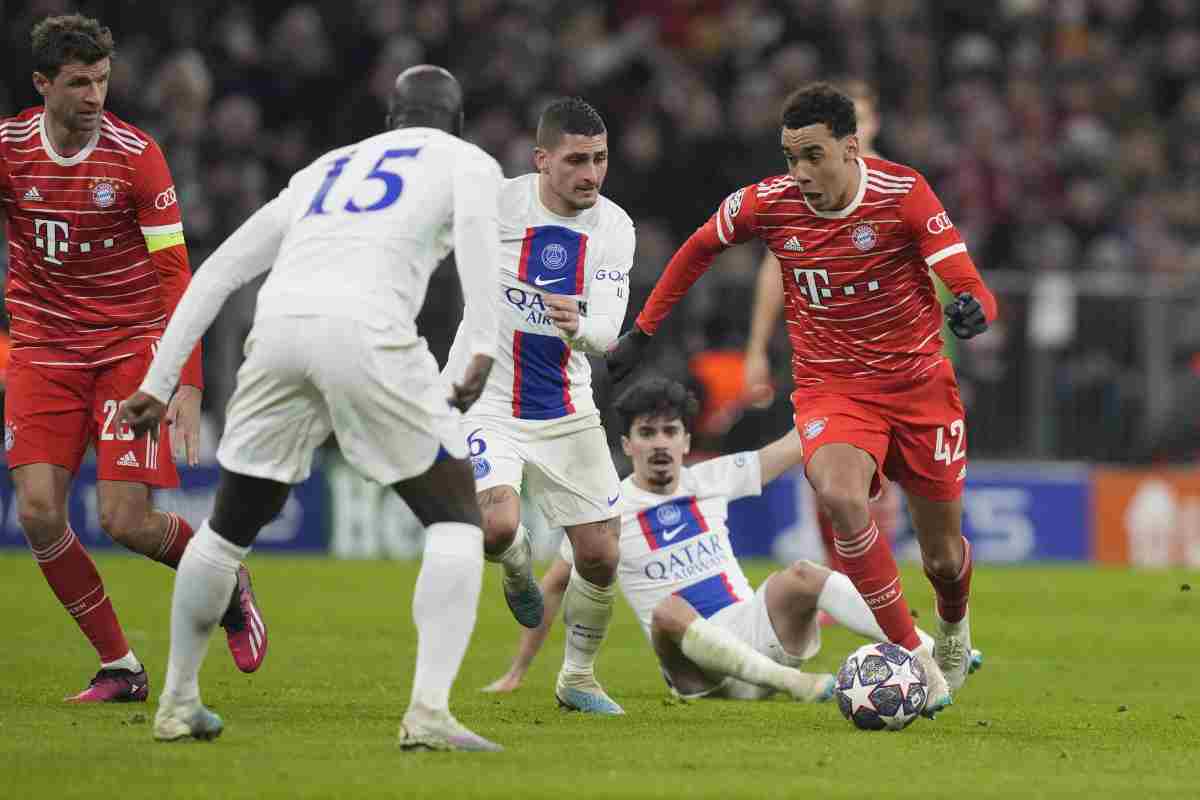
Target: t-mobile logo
point(806, 279)
point(54, 240)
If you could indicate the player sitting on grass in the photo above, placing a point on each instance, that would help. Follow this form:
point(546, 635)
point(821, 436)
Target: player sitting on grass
point(713, 634)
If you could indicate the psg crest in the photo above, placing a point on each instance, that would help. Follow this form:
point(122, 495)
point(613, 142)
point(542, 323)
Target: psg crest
point(554, 256)
point(668, 514)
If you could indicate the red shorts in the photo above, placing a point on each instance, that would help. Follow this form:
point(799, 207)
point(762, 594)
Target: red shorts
point(917, 436)
point(52, 414)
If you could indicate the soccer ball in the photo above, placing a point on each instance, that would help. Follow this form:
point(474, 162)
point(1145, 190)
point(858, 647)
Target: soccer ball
point(881, 686)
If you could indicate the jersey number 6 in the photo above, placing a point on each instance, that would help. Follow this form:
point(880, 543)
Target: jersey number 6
point(393, 184)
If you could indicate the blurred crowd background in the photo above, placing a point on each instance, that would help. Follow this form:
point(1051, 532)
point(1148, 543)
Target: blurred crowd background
point(1063, 137)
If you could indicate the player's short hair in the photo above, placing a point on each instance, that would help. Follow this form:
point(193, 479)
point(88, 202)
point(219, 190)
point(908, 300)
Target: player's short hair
point(62, 40)
point(657, 397)
point(568, 115)
point(816, 103)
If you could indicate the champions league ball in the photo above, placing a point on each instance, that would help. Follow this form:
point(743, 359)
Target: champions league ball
point(881, 686)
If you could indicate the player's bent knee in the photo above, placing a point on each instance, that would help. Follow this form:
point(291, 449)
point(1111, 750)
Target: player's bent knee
point(805, 578)
point(42, 522)
point(842, 501)
point(596, 554)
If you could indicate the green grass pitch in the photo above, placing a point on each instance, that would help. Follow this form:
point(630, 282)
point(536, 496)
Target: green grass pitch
point(1091, 689)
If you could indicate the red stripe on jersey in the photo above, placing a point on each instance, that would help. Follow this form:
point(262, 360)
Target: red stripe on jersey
point(562, 367)
point(523, 263)
point(516, 347)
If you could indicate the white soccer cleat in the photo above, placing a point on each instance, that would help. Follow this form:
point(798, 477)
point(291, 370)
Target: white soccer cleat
point(952, 650)
point(584, 693)
point(937, 689)
point(441, 732)
point(811, 687)
point(173, 722)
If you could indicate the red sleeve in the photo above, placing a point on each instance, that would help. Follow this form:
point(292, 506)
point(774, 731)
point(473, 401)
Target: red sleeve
point(162, 227)
point(733, 223)
point(941, 246)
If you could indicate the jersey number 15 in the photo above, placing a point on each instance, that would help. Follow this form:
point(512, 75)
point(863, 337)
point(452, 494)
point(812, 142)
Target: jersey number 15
point(393, 184)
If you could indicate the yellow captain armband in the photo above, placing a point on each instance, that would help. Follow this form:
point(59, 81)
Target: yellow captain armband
point(160, 237)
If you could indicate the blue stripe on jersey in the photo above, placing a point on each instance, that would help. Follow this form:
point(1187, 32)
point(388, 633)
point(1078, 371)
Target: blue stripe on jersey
point(552, 258)
point(541, 389)
point(709, 595)
point(672, 522)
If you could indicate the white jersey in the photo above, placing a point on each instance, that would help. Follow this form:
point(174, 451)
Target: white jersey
point(679, 543)
point(356, 235)
point(540, 373)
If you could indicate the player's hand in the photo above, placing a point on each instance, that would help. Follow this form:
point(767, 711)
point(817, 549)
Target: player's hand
point(183, 415)
point(757, 371)
point(142, 413)
point(965, 316)
point(626, 352)
point(563, 312)
point(467, 392)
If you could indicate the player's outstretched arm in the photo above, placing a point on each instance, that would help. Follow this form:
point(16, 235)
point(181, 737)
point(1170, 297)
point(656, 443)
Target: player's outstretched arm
point(247, 253)
point(477, 249)
point(780, 456)
point(768, 305)
point(554, 586)
point(733, 223)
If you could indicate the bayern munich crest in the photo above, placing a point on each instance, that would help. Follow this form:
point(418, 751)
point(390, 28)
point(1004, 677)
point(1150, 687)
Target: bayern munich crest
point(104, 194)
point(814, 427)
point(668, 514)
point(863, 237)
point(554, 256)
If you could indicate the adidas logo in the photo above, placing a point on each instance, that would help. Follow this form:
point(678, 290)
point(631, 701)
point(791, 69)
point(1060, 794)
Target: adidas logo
point(33, 194)
point(128, 460)
point(794, 245)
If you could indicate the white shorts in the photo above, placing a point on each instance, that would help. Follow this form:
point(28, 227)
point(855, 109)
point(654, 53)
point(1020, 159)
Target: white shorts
point(372, 386)
point(750, 621)
point(570, 477)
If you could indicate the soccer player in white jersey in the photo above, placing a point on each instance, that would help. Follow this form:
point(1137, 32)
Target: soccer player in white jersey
point(566, 252)
point(713, 634)
point(351, 243)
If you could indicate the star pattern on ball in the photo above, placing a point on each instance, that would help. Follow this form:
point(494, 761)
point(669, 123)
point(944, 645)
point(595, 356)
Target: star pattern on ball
point(859, 695)
point(905, 679)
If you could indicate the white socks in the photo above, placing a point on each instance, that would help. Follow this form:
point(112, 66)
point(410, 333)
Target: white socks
point(203, 583)
point(128, 661)
point(516, 558)
point(445, 602)
point(840, 600)
point(587, 609)
point(718, 651)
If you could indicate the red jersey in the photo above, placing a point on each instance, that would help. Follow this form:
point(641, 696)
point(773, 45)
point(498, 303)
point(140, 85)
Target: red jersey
point(862, 311)
point(97, 261)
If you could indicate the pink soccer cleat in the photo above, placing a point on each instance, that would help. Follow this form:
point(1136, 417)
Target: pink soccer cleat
point(244, 627)
point(115, 686)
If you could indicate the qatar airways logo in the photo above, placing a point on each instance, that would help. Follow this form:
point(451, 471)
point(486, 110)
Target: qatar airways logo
point(51, 236)
point(697, 557)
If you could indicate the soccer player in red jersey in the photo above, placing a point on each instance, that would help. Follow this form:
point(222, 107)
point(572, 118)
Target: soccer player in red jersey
point(874, 395)
point(97, 264)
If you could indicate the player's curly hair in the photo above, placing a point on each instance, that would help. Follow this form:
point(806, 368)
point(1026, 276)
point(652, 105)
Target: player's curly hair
point(61, 40)
point(657, 397)
point(815, 103)
point(568, 115)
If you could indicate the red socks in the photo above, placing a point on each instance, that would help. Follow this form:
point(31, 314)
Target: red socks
point(952, 593)
point(829, 539)
point(74, 580)
point(178, 534)
point(866, 558)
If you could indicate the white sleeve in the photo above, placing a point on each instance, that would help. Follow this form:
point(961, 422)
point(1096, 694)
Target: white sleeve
point(477, 248)
point(607, 299)
point(736, 475)
point(250, 251)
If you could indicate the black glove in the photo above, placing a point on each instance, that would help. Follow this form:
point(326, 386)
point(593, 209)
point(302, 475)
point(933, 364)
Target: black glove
point(626, 353)
point(965, 316)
